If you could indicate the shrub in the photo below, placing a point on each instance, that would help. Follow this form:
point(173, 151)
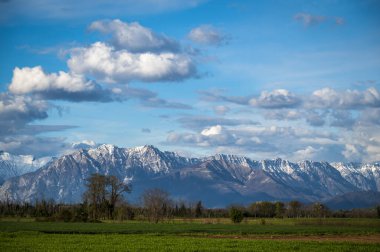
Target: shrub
point(236, 215)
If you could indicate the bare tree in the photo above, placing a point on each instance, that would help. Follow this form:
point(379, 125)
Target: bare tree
point(157, 204)
point(115, 190)
point(102, 194)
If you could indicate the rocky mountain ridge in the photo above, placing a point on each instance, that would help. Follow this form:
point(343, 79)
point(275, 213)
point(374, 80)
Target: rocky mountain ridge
point(216, 180)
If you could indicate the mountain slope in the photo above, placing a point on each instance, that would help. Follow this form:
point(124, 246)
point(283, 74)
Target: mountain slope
point(362, 199)
point(217, 180)
point(14, 165)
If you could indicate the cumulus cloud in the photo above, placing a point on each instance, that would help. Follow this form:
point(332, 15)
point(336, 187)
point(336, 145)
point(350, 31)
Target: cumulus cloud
point(84, 144)
point(283, 114)
point(134, 37)
point(354, 152)
point(325, 98)
point(308, 19)
point(18, 136)
point(17, 111)
point(342, 118)
point(107, 64)
point(34, 145)
point(218, 136)
point(74, 87)
point(262, 142)
point(308, 153)
point(315, 118)
point(370, 116)
point(347, 99)
point(278, 98)
point(61, 85)
point(355, 112)
point(207, 34)
point(214, 130)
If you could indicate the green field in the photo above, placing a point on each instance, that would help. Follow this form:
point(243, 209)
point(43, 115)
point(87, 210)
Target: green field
point(280, 235)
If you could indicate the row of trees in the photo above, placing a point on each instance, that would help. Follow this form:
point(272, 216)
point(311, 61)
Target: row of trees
point(104, 199)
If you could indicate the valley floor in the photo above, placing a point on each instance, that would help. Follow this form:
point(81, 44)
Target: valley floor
point(179, 235)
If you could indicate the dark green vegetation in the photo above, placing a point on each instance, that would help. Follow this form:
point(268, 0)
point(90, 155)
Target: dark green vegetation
point(104, 200)
point(198, 234)
point(252, 227)
point(118, 242)
point(104, 221)
point(236, 215)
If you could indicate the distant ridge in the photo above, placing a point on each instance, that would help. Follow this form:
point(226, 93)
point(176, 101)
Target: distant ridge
point(217, 180)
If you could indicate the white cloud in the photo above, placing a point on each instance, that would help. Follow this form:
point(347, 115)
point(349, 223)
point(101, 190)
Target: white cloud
point(207, 34)
point(134, 37)
point(347, 99)
point(61, 85)
point(283, 114)
point(278, 98)
point(84, 144)
point(306, 154)
point(353, 152)
point(27, 80)
point(106, 64)
point(214, 130)
point(17, 111)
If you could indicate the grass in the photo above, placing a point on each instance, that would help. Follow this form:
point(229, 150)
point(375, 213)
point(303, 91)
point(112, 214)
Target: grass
point(32, 241)
point(199, 235)
point(309, 227)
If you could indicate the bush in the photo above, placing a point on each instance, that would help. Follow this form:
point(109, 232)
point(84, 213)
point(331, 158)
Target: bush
point(236, 215)
point(65, 215)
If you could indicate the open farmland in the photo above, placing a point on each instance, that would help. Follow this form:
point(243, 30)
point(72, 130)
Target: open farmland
point(282, 235)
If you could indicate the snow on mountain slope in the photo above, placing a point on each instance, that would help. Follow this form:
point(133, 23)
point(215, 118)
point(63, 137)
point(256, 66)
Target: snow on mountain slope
point(16, 165)
point(363, 176)
point(220, 179)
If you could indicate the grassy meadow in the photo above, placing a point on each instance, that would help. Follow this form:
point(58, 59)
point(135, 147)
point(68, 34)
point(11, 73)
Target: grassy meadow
point(193, 235)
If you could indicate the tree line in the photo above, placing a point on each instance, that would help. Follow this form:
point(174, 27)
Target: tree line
point(105, 199)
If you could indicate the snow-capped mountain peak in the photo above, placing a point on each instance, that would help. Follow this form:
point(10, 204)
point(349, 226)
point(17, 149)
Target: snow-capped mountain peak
point(15, 165)
point(220, 178)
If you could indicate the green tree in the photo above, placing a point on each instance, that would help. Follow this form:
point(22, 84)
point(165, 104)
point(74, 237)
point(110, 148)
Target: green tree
point(236, 214)
point(198, 209)
point(279, 209)
point(319, 210)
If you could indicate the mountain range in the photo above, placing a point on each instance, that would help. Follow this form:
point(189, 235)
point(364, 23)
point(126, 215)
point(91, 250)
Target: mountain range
point(217, 180)
point(16, 165)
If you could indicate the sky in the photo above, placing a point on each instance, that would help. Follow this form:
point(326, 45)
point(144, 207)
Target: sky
point(264, 79)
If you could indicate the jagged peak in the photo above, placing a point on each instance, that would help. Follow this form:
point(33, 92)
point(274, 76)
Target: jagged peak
point(227, 157)
point(107, 146)
point(144, 148)
point(275, 161)
point(141, 150)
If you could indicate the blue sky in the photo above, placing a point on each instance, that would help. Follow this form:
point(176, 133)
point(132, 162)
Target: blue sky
point(266, 79)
